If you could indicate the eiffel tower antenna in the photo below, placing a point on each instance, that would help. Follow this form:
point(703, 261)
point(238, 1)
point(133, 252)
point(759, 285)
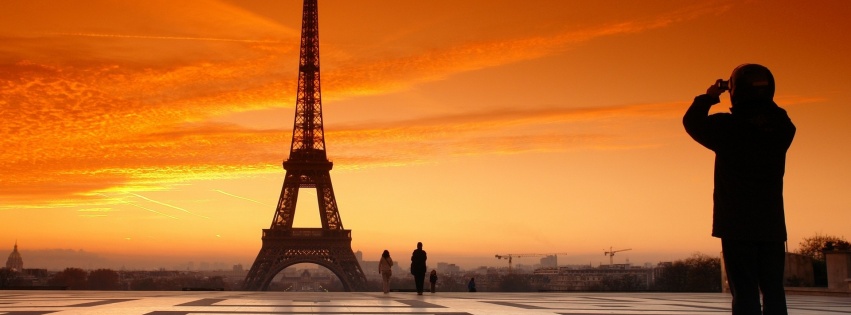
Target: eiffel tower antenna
point(307, 167)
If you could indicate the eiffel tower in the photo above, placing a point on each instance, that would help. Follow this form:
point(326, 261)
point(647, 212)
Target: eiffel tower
point(307, 167)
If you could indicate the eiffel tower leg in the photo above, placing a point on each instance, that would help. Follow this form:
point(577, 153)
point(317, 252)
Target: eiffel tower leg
point(281, 249)
point(260, 275)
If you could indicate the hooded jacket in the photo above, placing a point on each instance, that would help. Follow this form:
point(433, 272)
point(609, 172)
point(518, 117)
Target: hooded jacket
point(750, 147)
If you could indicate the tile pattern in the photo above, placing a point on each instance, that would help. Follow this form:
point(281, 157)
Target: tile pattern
point(198, 303)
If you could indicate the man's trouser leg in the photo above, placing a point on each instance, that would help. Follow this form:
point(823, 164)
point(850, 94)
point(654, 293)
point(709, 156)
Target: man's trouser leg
point(741, 264)
point(772, 260)
point(419, 279)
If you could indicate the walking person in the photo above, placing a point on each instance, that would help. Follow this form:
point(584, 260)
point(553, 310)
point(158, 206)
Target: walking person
point(418, 267)
point(471, 286)
point(432, 279)
point(385, 268)
point(750, 145)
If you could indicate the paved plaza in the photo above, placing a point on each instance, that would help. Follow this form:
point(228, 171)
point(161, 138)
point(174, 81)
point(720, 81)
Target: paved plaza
point(236, 302)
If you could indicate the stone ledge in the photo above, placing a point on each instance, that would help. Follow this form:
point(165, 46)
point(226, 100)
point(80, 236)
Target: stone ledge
point(817, 291)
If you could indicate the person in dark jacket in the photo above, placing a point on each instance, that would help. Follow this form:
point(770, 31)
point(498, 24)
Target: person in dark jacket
point(750, 145)
point(432, 279)
point(418, 267)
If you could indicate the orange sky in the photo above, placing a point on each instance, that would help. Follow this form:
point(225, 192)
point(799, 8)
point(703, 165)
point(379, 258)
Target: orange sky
point(157, 128)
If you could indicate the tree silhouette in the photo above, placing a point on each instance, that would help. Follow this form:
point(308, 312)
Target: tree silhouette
point(814, 246)
point(71, 278)
point(104, 279)
point(9, 277)
point(698, 273)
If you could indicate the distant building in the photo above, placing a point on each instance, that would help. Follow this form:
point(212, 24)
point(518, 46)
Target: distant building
point(15, 262)
point(550, 261)
point(447, 268)
point(306, 281)
point(615, 277)
point(370, 269)
point(661, 268)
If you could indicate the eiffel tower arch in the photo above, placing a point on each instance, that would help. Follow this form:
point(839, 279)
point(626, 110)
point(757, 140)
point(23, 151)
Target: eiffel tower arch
point(307, 167)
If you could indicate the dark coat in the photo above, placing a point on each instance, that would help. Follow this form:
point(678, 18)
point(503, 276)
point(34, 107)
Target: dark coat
point(418, 261)
point(750, 161)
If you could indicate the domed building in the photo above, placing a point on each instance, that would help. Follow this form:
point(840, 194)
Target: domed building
point(15, 262)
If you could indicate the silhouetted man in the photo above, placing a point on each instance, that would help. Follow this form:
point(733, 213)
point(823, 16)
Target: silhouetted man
point(418, 267)
point(750, 146)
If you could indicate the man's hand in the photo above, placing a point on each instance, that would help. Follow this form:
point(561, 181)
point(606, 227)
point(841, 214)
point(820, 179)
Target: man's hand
point(714, 90)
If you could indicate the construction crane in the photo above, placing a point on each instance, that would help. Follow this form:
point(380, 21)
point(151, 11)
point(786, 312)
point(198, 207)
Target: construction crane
point(611, 254)
point(510, 256)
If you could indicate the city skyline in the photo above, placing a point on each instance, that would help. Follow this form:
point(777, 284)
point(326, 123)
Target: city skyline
point(60, 259)
point(156, 129)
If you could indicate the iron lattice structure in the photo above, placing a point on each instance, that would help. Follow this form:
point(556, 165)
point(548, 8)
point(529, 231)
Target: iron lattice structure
point(307, 167)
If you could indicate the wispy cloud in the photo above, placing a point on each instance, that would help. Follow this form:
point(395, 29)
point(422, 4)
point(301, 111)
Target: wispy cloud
point(197, 151)
point(391, 73)
point(176, 38)
point(238, 197)
point(169, 205)
point(119, 200)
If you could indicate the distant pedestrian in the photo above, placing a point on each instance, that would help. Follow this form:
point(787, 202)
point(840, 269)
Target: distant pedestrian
point(432, 279)
point(750, 145)
point(385, 268)
point(418, 267)
point(471, 286)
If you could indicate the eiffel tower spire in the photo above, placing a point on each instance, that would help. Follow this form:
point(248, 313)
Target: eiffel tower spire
point(308, 143)
point(307, 167)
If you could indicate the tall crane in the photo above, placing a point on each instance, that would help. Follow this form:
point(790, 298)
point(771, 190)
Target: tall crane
point(510, 256)
point(611, 254)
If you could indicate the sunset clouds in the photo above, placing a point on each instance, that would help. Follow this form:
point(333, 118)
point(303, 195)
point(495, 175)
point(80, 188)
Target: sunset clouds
point(92, 104)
